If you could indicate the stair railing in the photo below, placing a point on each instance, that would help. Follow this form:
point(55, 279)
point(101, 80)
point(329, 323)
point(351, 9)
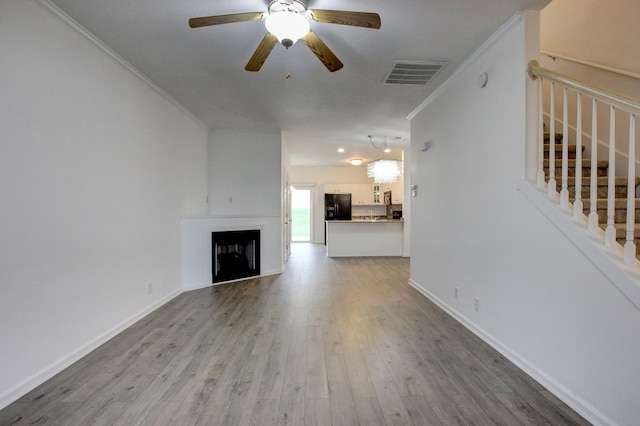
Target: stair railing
point(615, 103)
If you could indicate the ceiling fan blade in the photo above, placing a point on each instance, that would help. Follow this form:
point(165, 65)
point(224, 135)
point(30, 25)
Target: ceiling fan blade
point(206, 21)
point(357, 19)
point(321, 50)
point(262, 52)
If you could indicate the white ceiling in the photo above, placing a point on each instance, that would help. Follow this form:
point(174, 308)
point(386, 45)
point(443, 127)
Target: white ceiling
point(318, 111)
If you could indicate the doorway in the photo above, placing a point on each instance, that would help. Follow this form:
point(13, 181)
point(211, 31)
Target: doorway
point(301, 219)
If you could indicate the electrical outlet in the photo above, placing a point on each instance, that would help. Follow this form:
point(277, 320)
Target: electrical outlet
point(149, 288)
point(476, 305)
point(455, 292)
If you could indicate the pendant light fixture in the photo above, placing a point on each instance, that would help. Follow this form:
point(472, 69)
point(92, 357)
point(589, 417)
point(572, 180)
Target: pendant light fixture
point(384, 170)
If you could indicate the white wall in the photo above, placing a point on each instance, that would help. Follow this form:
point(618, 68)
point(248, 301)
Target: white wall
point(246, 178)
point(541, 302)
point(245, 173)
point(338, 174)
point(96, 169)
point(602, 33)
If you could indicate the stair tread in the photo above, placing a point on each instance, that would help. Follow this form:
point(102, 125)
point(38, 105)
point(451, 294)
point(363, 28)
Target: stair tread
point(586, 162)
point(558, 147)
point(601, 180)
point(547, 134)
point(602, 203)
point(559, 143)
point(623, 226)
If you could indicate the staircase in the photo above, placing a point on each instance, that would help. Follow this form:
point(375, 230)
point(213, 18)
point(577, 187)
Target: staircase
point(620, 216)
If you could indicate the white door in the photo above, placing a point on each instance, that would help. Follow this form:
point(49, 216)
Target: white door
point(287, 219)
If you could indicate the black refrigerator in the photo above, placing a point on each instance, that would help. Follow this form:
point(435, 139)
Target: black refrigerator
point(337, 206)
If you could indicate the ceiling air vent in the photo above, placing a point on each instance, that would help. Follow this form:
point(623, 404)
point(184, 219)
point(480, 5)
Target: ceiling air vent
point(413, 72)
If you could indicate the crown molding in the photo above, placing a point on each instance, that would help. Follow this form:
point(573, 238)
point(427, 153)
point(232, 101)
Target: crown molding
point(505, 28)
point(68, 21)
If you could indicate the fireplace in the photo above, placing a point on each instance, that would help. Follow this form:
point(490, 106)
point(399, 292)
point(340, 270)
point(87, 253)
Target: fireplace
point(235, 255)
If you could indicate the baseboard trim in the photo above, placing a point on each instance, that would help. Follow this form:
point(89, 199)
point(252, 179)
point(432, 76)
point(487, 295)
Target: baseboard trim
point(35, 380)
point(587, 411)
point(195, 286)
point(273, 272)
point(201, 285)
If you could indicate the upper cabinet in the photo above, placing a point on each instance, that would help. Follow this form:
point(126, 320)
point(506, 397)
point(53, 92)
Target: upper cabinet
point(366, 194)
point(377, 193)
point(337, 188)
point(397, 191)
point(361, 194)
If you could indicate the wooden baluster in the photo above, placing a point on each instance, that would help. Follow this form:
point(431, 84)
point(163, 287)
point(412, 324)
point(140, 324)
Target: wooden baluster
point(540, 177)
point(564, 191)
point(551, 188)
point(630, 245)
point(577, 204)
point(593, 204)
point(610, 231)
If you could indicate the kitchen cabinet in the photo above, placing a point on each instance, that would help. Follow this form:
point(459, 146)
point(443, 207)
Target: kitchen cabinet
point(377, 193)
point(366, 194)
point(371, 195)
point(397, 191)
point(347, 238)
point(337, 188)
point(361, 194)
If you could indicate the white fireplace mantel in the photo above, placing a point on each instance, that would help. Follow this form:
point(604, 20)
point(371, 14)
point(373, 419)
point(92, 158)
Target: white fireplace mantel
point(196, 245)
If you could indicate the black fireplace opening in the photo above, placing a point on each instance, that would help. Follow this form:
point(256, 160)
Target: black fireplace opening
point(235, 255)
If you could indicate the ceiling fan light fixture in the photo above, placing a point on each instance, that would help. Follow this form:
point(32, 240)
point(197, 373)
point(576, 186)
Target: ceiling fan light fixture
point(287, 26)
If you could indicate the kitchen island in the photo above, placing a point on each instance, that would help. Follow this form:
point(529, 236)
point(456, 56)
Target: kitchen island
point(360, 238)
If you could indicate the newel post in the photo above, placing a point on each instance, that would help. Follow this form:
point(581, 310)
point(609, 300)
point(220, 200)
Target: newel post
point(540, 157)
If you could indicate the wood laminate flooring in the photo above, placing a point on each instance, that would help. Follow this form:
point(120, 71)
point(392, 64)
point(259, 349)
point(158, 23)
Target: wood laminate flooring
point(328, 342)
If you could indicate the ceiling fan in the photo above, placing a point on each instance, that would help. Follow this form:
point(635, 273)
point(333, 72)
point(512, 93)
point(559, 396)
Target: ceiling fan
point(286, 22)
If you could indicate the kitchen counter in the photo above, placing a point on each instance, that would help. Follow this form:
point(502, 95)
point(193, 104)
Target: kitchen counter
point(364, 237)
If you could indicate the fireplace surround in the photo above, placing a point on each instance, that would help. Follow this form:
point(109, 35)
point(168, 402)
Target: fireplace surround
point(197, 254)
point(235, 255)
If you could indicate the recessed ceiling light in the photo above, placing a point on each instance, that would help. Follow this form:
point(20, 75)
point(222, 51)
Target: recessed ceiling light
point(387, 150)
point(355, 161)
point(340, 150)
